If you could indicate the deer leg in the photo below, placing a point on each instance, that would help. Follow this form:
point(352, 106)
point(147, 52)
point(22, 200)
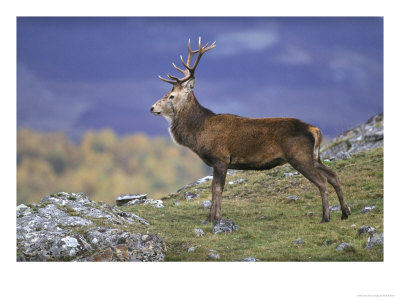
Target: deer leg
point(218, 183)
point(309, 171)
point(333, 180)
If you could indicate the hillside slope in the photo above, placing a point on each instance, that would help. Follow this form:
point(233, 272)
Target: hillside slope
point(273, 209)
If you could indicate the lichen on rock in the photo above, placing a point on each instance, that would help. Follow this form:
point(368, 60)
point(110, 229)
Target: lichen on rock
point(69, 226)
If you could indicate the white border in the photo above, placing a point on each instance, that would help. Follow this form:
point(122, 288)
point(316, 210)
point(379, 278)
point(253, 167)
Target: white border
point(198, 280)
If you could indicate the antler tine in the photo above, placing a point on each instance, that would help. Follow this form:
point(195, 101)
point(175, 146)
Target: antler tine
point(189, 71)
point(166, 80)
point(201, 51)
point(173, 77)
point(179, 69)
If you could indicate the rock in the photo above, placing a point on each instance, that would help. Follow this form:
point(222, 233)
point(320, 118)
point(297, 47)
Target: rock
point(341, 155)
point(289, 174)
point(127, 216)
point(191, 196)
point(213, 255)
point(191, 249)
point(334, 208)
point(117, 245)
point(130, 199)
point(374, 240)
point(365, 229)
point(69, 226)
point(207, 204)
point(344, 247)
point(154, 203)
point(199, 232)
point(236, 181)
point(23, 210)
point(197, 182)
point(204, 179)
point(263, 217)
point(298, 241)
point(361, 138)
point(225, 226)
point(136, 199)
point(309, 214)
point(292, 197)
point(367, 209)
point(249, 259)
point(177, 203)
point(231, 172)
point(328, 242)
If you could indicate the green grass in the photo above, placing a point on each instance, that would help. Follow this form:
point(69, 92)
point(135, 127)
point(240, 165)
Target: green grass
point(269, 222)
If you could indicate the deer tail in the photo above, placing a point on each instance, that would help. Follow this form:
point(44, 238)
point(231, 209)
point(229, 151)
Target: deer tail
point(317, 141)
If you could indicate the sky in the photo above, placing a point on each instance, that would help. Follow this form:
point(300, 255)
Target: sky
point(88, 73)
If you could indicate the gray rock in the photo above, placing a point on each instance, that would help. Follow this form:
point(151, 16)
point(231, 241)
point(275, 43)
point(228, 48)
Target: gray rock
point(197, 182)
point(154, 203)
point(334, 208)
point(23, 210)
point(366, 229)
point(116, 245)
point(361, 138)
point(224, 226)
point(213, 255)
point(236, 181)
point(199, 232)
point(231, 172)
point(344, 247)
point(341, 155)
point(292, 197)
point(65, 226)
point(204, 179)
point(130, 199)
point(309, 214)
point(290, 174)
point(191, 196)
point(298, 241)
point(367, 209)
point(249, 259)
point(328, 242)
point(207, 204)
point(191, 249)
point(374, 240)
point(126, 217)
point(136, 199)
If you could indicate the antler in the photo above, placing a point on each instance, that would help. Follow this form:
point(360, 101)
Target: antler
point(189, 71)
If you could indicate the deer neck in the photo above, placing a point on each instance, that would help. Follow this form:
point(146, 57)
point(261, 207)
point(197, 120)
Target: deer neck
point(188, 123)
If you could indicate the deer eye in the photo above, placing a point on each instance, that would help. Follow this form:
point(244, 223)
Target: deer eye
point(171, 97)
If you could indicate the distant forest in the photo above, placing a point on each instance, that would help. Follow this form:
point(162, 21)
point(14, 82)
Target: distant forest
point(102, 165)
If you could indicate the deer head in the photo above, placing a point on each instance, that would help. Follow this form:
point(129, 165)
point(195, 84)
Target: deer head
point(182, 88)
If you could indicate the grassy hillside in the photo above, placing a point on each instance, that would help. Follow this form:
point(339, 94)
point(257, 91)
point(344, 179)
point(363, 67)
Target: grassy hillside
point(269, 222)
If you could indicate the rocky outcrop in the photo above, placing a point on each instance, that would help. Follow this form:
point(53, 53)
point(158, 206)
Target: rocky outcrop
point(71, 227)
point(361, 138)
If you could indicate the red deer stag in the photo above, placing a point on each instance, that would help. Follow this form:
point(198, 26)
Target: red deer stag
point(225, 141)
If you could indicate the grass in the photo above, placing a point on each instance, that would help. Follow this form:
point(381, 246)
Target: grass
point(269, 222)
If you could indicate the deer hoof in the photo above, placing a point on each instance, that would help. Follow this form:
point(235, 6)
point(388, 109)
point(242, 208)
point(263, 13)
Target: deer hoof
point(325, 220)
point(345, 215)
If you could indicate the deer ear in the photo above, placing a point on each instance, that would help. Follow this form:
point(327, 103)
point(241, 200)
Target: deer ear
point(189, 85)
